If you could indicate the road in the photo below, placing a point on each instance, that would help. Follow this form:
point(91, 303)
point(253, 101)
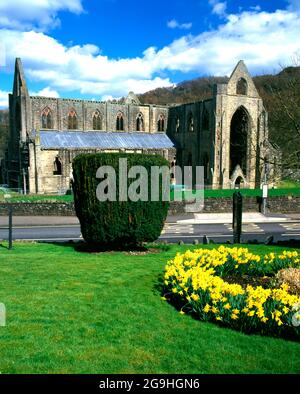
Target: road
point(173, 232)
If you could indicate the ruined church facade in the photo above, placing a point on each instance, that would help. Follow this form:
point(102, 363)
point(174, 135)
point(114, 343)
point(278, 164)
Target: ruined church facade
point(227, 135)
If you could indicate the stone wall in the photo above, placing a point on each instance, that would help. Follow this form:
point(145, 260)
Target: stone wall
point(85, 110)
point(286, 204)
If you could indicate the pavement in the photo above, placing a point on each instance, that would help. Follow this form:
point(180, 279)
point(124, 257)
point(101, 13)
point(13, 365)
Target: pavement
point(202, 218)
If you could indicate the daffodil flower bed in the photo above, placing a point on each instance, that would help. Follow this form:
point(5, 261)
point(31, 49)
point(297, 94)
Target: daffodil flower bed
point(196, 280)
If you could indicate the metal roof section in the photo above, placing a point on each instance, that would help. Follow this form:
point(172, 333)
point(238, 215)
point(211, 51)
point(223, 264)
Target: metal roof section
point(103, 140)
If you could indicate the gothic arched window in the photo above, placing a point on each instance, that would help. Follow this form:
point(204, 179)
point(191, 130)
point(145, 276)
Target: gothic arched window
point(46, 119)
point(161, 123)
point(191, 123)
point(72, 120)
point(97, 121)
point(177, 127)
point(57, 166)
point(242, 87)
point(140, 122)
point(120, 122)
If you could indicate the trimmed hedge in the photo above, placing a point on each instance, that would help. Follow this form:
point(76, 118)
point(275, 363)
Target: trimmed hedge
point(116, 223)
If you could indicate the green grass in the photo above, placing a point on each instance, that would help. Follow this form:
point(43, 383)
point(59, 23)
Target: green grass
point(286, 188)
point(20, 198)
point(227, 193)
point(72, 312)
point(288, 184)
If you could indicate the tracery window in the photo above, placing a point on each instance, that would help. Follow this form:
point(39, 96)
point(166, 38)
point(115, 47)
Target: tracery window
point(161, 123)
point(191, 123)
point(177, 127)
point(46, 119)
point(242, 87)
point(72, 120)
point(140, 122)
point(120, 122)
point(97, 121)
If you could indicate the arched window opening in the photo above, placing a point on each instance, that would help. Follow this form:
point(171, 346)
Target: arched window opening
point(120, 122)
point(191, 123)
point(205, 120)
point(46, 119)
point(72, 120)
point(177, 126)
point(239, 131)
point(161, 123)
point(97, 121)
point(140, 122)
point(57, 166)
point(242, 87)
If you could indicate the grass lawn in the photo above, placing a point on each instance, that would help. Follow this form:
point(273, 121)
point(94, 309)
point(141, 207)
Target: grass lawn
point(72, 312)
point(287, 191)
point(285, 188)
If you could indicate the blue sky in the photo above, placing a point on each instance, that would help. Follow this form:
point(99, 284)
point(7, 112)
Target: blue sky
point(100, 49)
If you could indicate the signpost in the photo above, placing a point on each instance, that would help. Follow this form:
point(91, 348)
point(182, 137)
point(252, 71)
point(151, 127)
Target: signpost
point(10, 214)
point(265, 190)
point(237, 217)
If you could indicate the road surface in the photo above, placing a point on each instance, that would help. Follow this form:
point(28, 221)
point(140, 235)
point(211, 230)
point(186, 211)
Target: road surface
point(173, 232)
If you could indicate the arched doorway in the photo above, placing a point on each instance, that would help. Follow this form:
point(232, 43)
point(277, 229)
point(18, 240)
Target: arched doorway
point(239, 131)
point(239, 183)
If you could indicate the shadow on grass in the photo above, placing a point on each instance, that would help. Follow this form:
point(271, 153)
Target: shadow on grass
point(83, 247)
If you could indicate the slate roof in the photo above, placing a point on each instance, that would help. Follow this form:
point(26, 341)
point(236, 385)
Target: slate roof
point(103, 140)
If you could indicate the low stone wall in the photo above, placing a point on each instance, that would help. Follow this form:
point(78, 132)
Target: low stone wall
point(39, 209)
point(287, 204)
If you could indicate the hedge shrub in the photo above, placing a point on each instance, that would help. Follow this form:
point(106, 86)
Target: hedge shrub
point(116, 223)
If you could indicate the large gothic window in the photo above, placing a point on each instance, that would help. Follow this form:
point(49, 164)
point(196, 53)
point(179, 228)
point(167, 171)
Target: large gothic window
point(191, 126)
point(57, 166)
point(140, 123)
point(177, 124)
point(72, 120)
point(239, 133)
point(120, 122)
point(205, 120)
point(161, 123)
point(242, 87)
point(46, 119)
point(97, 121)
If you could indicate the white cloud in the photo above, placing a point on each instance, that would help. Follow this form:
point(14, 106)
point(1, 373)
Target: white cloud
point(3, 99)
point(264, 40)
point(40, 14)
point(174, 24)
point(46, 92)
point(219, 7)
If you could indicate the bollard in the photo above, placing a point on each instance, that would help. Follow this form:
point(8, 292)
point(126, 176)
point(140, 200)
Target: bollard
point(10, 214)
point(237, 217)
